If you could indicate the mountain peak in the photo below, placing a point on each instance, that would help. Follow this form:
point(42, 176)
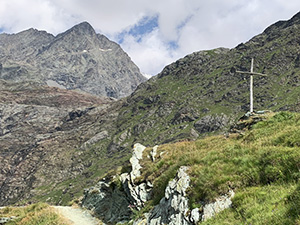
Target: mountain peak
point(84, 28)
point(81, 29)
point(76, 59)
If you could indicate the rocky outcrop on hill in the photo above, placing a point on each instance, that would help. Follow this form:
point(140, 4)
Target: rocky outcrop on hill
point(114, 199)
point(173, 208)
point(76, 59)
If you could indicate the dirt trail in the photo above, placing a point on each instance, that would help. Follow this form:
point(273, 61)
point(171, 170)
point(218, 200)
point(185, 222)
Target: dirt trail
point(76, 215)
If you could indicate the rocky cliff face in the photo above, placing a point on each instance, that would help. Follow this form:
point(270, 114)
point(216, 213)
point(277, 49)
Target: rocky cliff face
point(76, 59)
point(114, 200)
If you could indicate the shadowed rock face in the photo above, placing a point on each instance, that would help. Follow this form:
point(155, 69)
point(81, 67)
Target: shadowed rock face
point(76, 59)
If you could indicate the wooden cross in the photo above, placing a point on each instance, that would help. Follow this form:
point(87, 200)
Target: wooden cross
point(251, 73)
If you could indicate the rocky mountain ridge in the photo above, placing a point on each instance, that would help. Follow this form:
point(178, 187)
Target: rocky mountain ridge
point(199, 94)
point(76, 59)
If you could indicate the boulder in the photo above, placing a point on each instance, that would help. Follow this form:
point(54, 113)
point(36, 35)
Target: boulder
point(211, 123)
point(153, 153)
point(107, 202)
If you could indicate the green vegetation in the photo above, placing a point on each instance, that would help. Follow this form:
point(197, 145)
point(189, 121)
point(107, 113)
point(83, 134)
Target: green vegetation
point(36, 214)
point(269, 204)
point(68, 191)
point(201, 84)
point(262, 166)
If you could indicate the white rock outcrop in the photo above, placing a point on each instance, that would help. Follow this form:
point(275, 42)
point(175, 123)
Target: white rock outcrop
point(137, 155)
point(221, 203)
point(114, 202)
point(153, 153)
point(173, 208)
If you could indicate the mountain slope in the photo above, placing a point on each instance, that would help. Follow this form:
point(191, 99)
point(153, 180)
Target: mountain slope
point(76, 59)
point(194, 96)
point(198, 94)
point(40, 129)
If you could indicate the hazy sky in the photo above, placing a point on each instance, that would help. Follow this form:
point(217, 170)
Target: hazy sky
point(153, 32)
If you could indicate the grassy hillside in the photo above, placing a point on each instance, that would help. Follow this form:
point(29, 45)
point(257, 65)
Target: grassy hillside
point(38, 214)
point(261, 165)
point(199, 94)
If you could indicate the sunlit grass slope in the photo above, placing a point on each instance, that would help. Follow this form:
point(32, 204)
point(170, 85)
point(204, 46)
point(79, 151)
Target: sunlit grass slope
point(35, 214)
point(262, 166)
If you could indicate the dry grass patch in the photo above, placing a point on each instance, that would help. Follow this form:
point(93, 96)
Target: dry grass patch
point(36, 214)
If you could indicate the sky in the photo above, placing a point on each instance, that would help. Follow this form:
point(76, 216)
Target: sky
point(154, 33)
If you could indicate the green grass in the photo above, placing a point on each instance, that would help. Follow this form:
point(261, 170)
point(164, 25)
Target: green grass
point(262, 166)
point(35, 214)
point(269, 204)
point(67, 191)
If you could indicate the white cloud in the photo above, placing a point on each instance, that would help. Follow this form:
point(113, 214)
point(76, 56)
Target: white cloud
point(17, 15)
point(149, 52)
point(192, 24)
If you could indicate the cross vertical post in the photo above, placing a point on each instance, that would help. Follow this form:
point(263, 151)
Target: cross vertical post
point(251, 86)
point(251, 73)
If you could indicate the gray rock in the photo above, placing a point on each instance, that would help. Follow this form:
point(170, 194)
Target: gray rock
point(138, 194)
point(173, 208)
point(107, 202)
point(76, 59)
point(134, 160)
point(221, 203)
point(195, 216)
point(113, 203)
point(98, 137)
point(211, 123)
point(141, 193)
point(194, 133)
point(153, 153)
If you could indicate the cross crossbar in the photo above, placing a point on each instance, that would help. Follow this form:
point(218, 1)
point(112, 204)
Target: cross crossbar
point(253, 73)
